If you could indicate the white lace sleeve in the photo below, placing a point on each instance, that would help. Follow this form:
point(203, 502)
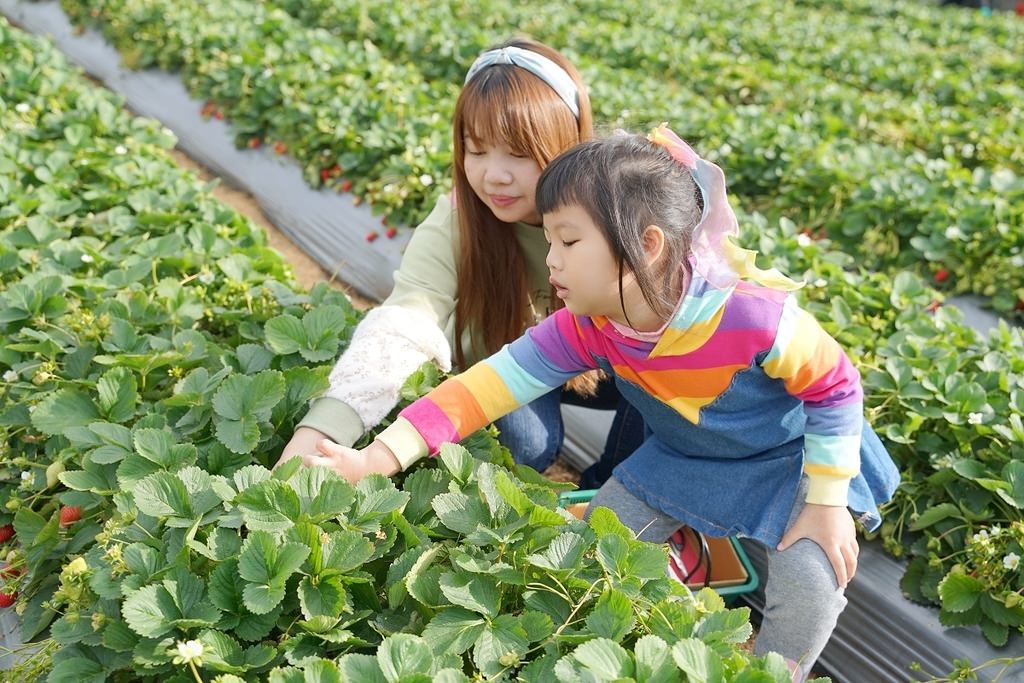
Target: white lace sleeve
point(387, 347)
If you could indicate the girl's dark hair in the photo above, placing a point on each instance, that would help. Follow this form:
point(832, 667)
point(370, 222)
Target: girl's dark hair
point(626, 183)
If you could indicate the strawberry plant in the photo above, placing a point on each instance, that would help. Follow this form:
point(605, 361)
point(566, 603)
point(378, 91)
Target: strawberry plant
point(889, 151)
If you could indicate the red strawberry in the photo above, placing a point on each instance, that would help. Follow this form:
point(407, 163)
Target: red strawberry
point(6, 533)
point(346, 186)
point(69, 514)
point(325, 173)
point(941, 275)
point(9, 572)
point(219, 115)
point(933, 306)
point(391, 232)
point(208, 108)
point(372, 236)
point(335, 171)
point(1019, 306)
point(254, 143)
point(7, 599)
point(280, 147)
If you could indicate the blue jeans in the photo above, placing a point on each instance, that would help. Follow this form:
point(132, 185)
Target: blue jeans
point(534, 432)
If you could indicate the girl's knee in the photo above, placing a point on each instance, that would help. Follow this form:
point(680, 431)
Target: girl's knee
point(805, 568)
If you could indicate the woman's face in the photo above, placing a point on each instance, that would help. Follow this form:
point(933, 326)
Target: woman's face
point(504, 180)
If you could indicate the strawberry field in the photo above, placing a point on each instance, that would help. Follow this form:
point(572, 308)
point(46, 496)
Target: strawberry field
point(156, 354)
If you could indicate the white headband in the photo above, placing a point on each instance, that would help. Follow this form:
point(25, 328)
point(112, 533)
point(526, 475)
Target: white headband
point(537, 64)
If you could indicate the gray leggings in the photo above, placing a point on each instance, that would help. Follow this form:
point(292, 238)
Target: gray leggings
point(803, 599)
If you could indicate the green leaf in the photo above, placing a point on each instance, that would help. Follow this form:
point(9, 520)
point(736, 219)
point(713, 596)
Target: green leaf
point(63, 410)
point(604, 522)
point(158, 447)
point(77, 670)
point(960, 592)
point(613, 554)
point(504, 637)
point(457, 460)
point(997, 634)
point(82, 480)
point(118, 394)
point(453, 631)
point(612, 616)
point(264, 559)
point(327, 597)
point(606, 659)
point(322, 493)
point(1013, 473)
point(564, 553)
point(698, 661)
point(402, 655)
point(423, 486)
point(362, 668)
point(935, 514)
point(150, 611)
point(728, 626)
point(345, 551)
point(162, 494)
point(285, 334)
point(460, 513)
point(239, 436)
point(654, 662)
point(477, 593)
point(270, 505)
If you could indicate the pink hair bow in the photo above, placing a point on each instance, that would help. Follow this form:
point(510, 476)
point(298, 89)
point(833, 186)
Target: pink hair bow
point(718, 259)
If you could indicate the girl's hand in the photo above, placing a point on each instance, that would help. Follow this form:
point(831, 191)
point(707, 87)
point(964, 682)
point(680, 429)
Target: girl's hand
point(304, 440)
point(832, 528)
point(351, 463)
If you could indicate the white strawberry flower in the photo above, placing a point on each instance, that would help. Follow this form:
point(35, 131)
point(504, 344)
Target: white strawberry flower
point(86, 258)
point(10, 376)
point(820, 282)
point(427, 180)
point(206, 277)
point(26, 475)
point(189, 651)
point(980, 537)
point(954, 232)
point(1011, 561)
point(120, 150)
point(975, 418)
point(21, 108)
point(803, 240)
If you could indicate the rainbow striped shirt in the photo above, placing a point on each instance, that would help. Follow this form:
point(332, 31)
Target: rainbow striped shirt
point(713, 336)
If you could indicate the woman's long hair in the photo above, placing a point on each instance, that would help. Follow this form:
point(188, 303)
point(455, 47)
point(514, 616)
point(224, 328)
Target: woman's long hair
point(504, 104)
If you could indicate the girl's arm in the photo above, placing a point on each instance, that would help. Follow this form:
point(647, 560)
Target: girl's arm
point(540, 361)
point(391, 342)
point(815, 370)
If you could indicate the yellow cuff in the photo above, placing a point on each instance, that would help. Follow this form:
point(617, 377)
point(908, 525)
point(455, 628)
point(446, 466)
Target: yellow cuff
point(826, 489)
point(404, 441)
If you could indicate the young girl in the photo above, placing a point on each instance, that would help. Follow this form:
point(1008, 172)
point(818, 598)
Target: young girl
point(755, 413)
point(473, 276)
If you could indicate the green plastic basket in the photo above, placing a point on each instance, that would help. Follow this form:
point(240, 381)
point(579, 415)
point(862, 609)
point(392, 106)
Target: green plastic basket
point(730, 592)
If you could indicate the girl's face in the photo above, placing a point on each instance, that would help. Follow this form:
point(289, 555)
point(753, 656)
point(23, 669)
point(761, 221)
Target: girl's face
point(582, 266)
point(504, 180)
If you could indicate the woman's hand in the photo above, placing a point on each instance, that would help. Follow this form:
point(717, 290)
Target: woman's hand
point(351, 463)
point(303, 441)
point(832, 528)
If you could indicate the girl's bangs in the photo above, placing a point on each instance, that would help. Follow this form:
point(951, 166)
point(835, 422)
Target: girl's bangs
point(504, 107)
